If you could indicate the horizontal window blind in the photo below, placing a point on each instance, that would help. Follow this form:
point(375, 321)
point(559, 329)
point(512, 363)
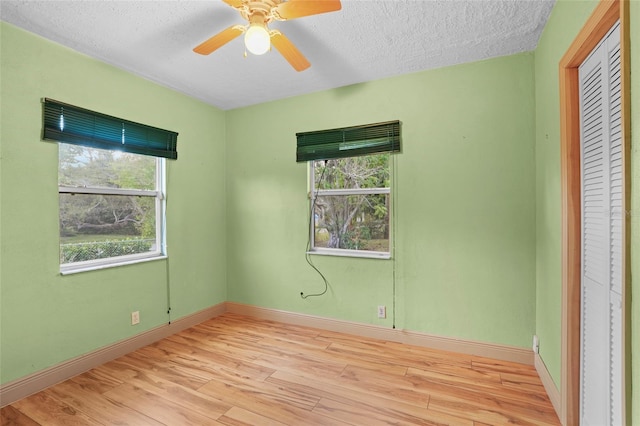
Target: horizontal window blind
point(348, 141)
point(79, 126)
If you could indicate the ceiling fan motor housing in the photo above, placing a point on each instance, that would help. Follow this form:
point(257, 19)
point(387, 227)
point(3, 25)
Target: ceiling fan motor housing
point(264, 10)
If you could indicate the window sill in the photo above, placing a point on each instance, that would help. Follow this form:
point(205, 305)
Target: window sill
point(70, 269)
point(351, 253)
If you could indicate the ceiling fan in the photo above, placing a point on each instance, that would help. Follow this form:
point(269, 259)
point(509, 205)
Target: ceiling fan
point(258, 37)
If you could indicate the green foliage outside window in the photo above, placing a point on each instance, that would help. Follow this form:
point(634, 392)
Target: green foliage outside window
point(79, 252)
point(98, 226)
point(355, 222)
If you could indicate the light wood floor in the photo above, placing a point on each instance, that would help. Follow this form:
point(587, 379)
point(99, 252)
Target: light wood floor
point(237, 370)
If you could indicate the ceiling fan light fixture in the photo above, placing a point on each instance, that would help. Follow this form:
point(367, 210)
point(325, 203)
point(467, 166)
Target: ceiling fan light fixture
point(257, 39)
point(257, 36)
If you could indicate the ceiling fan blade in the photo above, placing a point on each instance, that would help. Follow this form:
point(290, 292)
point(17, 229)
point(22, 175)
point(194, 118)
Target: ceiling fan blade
point(292, 9)
point(289, 51)
point(219, 40)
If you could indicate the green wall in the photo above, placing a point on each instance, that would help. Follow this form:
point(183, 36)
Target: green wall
point(567, 18)
point(47, 318)
point(465, 193)
point(565, 22)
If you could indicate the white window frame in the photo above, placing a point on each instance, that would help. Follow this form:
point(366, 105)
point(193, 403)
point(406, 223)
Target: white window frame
point(314, 193)
point(159, 194)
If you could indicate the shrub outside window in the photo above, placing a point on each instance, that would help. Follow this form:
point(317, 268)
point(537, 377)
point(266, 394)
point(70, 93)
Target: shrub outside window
point(111, 207)
point(351, 206)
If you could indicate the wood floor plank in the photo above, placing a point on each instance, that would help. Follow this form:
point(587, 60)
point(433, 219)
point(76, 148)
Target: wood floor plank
point(95, 381)
point(397, 388)
point(46, 410)
point(201, 335)
point(488, 414)
point(522, 382)
point(216, 331)
point(10, 416)
point(236, 370)
point(520, 387)
point(370, 402)
point(444, 385)
point(242, 322)
point(355, 415)
point(182, 375)
point(294, 345)
point(260, 329)
point(296, 362)
point(407, 360)
point(264, 390)
point(271, 406)
point(272, 357)
point(254, 352)
point(457, 373)
point(156, 407)
point(520, 378)
point(237, 416)
point(98, 407)
point(454, 374)
point(482, 404)
point(407, 353)
point(190, 399)
point(206, 360)
point(117, 370)
point(487, 364)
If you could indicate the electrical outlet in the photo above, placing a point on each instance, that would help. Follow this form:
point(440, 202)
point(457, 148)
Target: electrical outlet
point(536, 344)
point(382, 311)
point(135, 317)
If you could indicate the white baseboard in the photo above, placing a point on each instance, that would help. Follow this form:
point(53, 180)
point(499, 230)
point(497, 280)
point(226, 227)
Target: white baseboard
point(548, 383)
point(490, 350)
point(28, 385)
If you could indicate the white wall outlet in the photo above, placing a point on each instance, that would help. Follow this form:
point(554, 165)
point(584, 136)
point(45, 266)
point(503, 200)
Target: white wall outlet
point(536, 344)
point(382, 311)
point(135, 317)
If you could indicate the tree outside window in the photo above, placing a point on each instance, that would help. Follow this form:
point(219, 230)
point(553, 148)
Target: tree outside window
point(351, 204)
point(110, 204)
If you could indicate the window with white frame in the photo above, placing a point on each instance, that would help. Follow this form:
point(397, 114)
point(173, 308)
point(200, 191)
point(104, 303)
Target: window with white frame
point(351, 206)
point(111, 186)
point(111, 206)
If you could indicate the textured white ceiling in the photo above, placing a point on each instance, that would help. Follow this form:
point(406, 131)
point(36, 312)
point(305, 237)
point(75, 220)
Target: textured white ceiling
point(366, 40)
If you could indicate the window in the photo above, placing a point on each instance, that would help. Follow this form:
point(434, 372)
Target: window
point(350, 188)
point(111, 207)
point(111, 183)
point(351, 206)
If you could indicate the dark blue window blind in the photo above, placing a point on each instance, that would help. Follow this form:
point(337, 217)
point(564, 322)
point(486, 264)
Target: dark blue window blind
point(348, 141)
point(70, 124)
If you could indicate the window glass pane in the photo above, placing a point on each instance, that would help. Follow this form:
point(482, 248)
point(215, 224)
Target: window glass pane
point(101, 226)
point(91, 167)
point(369, 171)
point(354, 222)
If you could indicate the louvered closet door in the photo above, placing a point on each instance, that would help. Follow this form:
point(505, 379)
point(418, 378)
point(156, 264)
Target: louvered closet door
point(601, 162)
